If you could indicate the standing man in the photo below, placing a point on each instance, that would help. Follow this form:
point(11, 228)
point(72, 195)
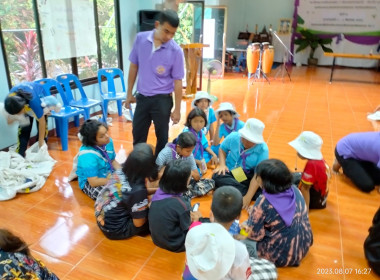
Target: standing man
point(158, 61)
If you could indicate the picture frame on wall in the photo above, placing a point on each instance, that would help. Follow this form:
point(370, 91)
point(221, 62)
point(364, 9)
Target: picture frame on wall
point(285, 26)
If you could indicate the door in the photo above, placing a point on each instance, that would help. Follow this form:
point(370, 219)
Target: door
point(215, 27)
point(190, 29)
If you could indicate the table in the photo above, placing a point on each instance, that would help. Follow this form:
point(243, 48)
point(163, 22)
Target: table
point(230, 65)
point(349, 55)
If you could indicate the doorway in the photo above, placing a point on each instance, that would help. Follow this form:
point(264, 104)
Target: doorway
point(215, 28)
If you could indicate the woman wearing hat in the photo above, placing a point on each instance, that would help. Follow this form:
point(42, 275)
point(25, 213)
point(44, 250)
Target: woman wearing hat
point(358, 154)
point(23, 104)
point(227, 113)
point(239, 154)
point(313, 183)
point(203, 101)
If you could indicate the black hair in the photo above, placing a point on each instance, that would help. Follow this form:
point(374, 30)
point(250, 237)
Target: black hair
point(175, 177)
point(197, 101)
point(195, 113)
point(275, 175)
point(231, 113)
point(226, 205)
point(140, 164)
point(185, 140)
point(11, 243)
point(170, 17)
point(89, 130)
point(16, 101)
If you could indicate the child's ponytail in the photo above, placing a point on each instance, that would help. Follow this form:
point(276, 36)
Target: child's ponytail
point(25, 95)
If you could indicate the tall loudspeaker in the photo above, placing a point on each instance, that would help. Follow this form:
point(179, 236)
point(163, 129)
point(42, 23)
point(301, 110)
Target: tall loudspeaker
point(146, 19)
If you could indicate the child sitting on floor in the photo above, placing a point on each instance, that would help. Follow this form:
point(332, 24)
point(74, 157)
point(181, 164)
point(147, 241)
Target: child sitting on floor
point(96, 160)
point(17, 262)
point(313, 182)
point(121, 209)
point(278, 226)
point(239, 154)
point(203, 101)
point(230, 122)
point(195, 122)
point(212, 252)
point(182, 148)
point(169, 214)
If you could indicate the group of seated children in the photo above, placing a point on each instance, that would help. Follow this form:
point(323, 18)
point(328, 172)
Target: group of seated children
point(278, 227)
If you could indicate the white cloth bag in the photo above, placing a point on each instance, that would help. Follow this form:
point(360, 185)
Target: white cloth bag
point(24, 175)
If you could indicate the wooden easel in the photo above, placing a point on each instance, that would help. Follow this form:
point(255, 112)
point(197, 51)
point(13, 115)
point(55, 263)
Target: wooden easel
point(193, 53)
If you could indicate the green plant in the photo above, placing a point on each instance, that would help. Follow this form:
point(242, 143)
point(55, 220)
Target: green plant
point(184, 34)
point(27, 57)
point(312, 40)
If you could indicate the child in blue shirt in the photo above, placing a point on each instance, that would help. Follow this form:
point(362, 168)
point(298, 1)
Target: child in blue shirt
point(195, 122)
point(203, 101)
point(96, 160)
point(23, 104)
point(239, 154)
point(227, 113)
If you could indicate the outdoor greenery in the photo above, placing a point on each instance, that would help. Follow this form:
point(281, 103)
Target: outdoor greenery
point(17, 23)
point(22, 50)
point(184, 34)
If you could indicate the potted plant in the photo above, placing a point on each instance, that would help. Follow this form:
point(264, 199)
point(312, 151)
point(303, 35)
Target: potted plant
point(311, 40)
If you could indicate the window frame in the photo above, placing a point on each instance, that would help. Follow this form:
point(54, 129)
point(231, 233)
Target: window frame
point(73, 60)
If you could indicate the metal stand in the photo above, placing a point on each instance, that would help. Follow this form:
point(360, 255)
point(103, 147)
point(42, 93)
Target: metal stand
point(283, 68)
point(259, 72)
point(285, 59)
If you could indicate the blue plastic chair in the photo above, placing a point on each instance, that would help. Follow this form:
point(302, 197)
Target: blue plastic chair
point(62, 117)
point(111, 94)
point(85, 103)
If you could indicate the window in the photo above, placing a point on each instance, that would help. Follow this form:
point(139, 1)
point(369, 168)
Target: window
point(47, 38)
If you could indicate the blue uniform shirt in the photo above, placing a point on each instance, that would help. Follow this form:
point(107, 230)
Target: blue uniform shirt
point(204, 143)
point(34, 108)
point(233, 148)
point(92, 165)
point(210, 119)
point(223, 128)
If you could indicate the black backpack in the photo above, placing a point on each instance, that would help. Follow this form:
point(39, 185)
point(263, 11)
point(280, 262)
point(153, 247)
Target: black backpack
point(372, 244)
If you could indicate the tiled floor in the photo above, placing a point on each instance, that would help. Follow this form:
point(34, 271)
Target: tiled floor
point(58, 221)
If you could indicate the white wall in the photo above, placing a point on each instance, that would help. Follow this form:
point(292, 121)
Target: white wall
point(128, 22)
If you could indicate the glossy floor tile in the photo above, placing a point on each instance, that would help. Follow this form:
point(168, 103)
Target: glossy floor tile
point(58, 221)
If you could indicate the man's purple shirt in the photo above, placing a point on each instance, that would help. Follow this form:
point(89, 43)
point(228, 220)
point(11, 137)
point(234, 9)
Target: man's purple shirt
point(156, 70)
point(361, 146)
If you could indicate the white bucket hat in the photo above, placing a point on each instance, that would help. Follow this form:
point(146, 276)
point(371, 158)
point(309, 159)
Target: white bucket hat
point(210, 251)
point(308, 144)
point(253, 131)
point(226, 106)
point(374, 117)
point(200, 95)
